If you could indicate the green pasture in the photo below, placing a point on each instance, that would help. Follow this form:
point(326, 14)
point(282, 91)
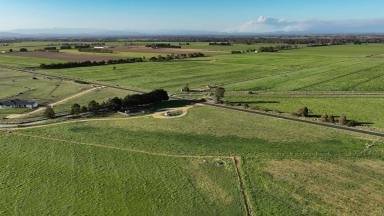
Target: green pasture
point(364, 109)
point(47, 177)
point(21, 85)
point(294, 70)
point(210, 131)
point(315, 187)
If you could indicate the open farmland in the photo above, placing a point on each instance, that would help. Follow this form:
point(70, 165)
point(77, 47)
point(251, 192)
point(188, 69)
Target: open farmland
point(108, 158)
point(100, 95)
point(65, 56)
point(315, 187)
point(143, 49)
point(207, 160)
point(199, 133)
point(294, 70)
point(80, 179)
point(361, 108)
point(22, 62)
point(21, 85)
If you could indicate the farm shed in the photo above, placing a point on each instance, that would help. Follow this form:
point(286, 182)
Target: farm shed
point(16, 103)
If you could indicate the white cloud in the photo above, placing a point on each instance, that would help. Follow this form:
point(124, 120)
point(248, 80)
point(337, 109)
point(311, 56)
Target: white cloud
point(272, 25)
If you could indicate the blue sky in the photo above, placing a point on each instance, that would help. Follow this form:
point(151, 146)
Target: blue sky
point(204, 15)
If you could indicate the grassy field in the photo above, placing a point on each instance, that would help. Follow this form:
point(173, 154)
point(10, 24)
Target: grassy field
point(313, 187)
point(118, 165)
point(6, 112)
point(108, 161)
point(23, 86)
point(23, 62)
point(114, 54)
point(365, 109)
point(308, 69)
point(211, 131)
point(41, 177)
point(99, 95)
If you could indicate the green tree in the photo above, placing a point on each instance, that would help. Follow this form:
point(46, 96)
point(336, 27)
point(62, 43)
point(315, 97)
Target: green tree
point(93, 106)
point(49, 112)
point(84, 109)
point(115, 104)
point(76, 109)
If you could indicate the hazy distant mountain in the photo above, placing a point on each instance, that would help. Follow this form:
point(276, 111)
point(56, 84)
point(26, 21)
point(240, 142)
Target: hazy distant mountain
point(64, 33)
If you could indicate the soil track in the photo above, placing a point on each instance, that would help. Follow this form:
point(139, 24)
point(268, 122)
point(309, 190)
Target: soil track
point(65, 56)
point(143, 49)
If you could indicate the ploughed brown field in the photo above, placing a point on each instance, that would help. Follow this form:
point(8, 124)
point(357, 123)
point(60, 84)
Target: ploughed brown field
point(143, 49)
point(65, 56)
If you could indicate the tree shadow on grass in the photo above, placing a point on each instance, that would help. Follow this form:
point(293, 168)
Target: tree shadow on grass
point(172, 104)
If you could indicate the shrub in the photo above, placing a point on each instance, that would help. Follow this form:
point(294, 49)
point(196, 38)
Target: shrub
point(84, 109)
point(76, 109)
point(114, 104)
point(303, 112)
point(23, 50)
point(49, 113)
point(93, 106)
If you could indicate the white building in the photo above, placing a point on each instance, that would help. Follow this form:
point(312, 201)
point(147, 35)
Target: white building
point(17, 103)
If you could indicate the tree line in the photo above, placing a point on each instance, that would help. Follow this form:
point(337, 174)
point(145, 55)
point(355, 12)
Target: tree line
point(93, 50)
point(162, 45)
point(276, 48)
point(120, 61)
point(117, 104)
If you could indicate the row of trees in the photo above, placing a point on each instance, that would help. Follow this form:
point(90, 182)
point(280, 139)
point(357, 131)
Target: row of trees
point(118, 104)
point(93, 50)
point(342, 120)
point(222, 43)
point(276, 48)
point(119, 61)
point(162, 45)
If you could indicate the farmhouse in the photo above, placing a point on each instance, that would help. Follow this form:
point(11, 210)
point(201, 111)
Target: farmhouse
point(16, 103)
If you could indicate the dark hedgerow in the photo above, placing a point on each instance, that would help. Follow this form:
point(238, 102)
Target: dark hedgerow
point(120, 61)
